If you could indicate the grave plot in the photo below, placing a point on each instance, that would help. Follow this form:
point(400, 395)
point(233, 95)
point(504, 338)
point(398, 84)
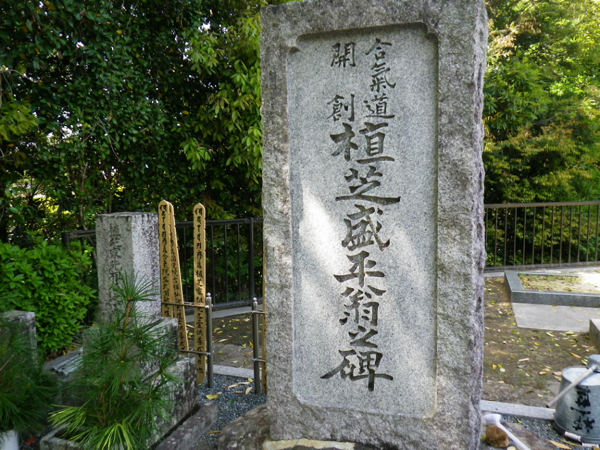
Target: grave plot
point(567, 289)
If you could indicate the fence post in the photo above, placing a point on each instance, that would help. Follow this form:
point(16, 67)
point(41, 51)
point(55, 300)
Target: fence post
point(255, 356)
point(251, 262)
point(209, 341)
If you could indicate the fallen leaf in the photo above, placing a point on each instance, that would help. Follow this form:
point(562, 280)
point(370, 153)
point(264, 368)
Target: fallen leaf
point(213, 396)
point(575, 355)
point(559, 445)
point(524, 359)
point(241, 383)
point(215, 432)
point(248, 389)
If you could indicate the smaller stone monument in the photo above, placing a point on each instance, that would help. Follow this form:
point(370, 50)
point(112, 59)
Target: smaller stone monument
point(127, 243)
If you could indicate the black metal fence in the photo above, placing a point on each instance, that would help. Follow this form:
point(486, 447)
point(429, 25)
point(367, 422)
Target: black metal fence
point(234, 258)
point(542, 234)
point(234, 269)
point(517, 234)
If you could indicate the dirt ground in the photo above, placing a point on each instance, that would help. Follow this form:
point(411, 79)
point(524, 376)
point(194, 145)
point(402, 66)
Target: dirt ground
point(232, 337)
point(520, 365)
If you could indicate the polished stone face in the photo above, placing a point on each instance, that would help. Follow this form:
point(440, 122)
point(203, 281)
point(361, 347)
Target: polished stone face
point(362, 110)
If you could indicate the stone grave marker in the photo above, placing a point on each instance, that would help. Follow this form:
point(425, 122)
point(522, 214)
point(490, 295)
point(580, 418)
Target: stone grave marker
point(373, 207)
point(127, 243)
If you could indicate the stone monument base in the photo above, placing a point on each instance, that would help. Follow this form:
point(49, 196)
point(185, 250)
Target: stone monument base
point(251, 432)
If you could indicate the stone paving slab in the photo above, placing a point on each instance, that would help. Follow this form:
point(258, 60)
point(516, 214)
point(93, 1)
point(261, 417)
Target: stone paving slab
point(556, 318)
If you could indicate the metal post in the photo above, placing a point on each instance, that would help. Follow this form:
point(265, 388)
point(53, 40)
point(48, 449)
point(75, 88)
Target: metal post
point(504, 256)
point(256, 359)
point(251, 257)
point(209, 341)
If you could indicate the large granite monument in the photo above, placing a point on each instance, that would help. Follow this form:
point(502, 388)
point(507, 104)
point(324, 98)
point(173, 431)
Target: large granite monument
point(372, 192)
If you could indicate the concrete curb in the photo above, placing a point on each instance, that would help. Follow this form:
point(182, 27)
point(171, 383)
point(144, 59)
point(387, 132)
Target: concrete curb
point(519, 294)
point(239, 372)
point(514, 409)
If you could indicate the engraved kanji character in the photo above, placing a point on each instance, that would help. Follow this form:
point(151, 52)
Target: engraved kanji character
point(378, 47)
point(374, 140)
point(363, 365)
point(337, 106)
point(379, 79)
point(361, 229)
point(343, 54)
point(362, 341)
point(366, 184)
point(362, 311)
point(359, 269)
point(344, 141)
point(377, 106)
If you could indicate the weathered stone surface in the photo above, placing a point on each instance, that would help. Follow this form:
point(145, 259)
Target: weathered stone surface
point(184, 397)
point(27, 320)
point(247, 432)
point(251, 432)
point(189, 434)
point(338, 78)
point(127, 243)
point(595, 332)
point(53, 441)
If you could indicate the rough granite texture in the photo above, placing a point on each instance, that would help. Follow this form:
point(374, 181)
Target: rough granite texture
point(27, 320)
point(127, 243)
point(450, 417)
point(189, 435)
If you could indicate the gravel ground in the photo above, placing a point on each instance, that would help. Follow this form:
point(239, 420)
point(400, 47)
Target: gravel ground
point(233, 402)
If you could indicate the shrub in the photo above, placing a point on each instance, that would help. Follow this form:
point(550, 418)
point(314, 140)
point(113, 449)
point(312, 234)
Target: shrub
point(26, 391)
point(49, 281)
point(122, 384)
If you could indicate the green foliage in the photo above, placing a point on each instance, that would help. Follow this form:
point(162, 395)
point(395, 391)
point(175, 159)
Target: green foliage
point(227, 138)
point(133, 102)
point(49, 281)
point(109, 83)
point(121, 403)
point(542, 97)
point(26, 391)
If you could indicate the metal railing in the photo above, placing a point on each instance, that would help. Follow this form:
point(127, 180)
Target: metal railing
point(233, 258)
point(517, 234)
point(542, 234)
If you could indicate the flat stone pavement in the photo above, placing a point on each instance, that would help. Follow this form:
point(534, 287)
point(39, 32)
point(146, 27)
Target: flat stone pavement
point(553, 317)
